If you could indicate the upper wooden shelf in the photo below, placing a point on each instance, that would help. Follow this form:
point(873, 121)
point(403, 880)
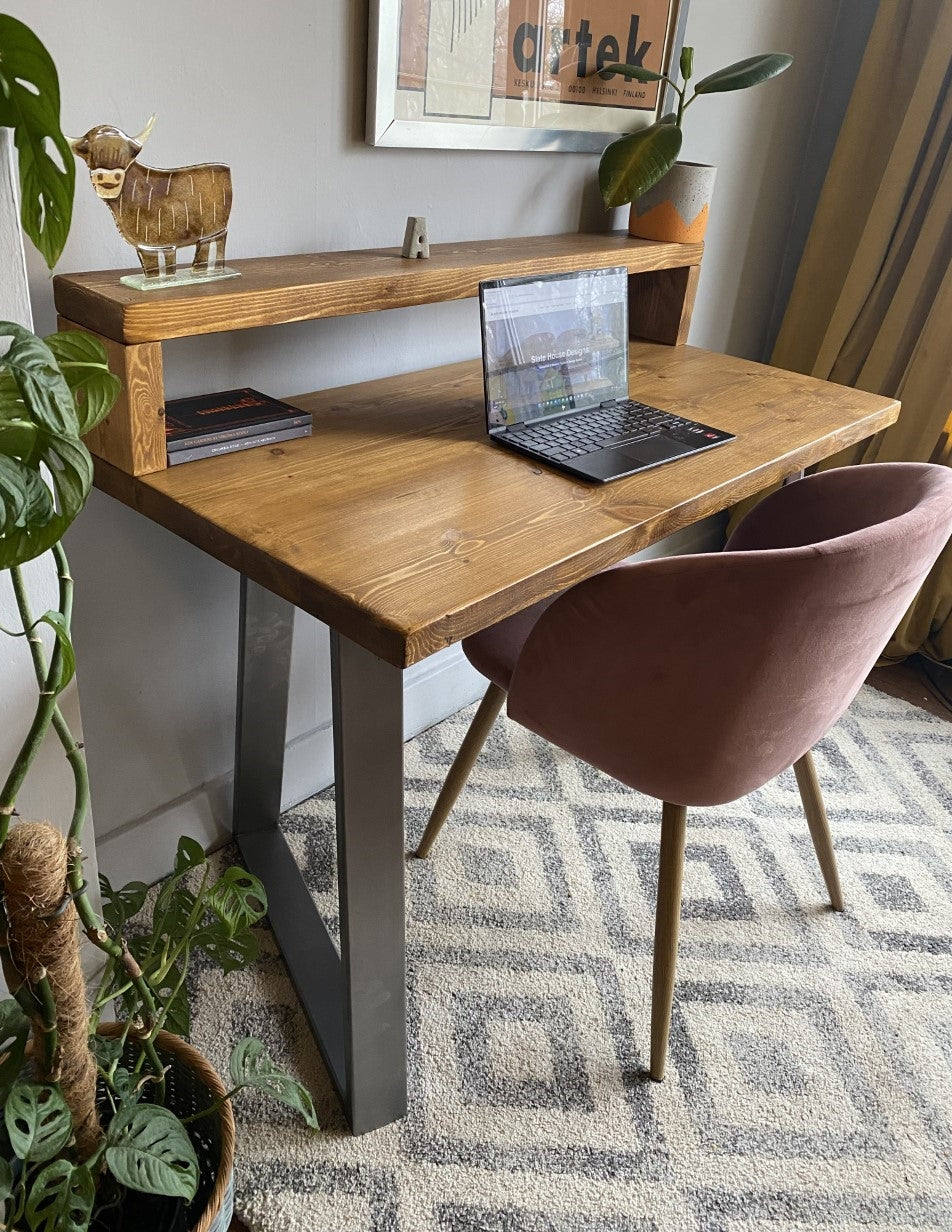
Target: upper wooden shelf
point(275, 290)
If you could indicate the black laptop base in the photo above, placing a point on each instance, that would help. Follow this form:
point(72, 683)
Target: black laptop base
point(610, 442)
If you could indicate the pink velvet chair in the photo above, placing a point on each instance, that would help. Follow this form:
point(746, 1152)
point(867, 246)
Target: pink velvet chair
point(697, 679)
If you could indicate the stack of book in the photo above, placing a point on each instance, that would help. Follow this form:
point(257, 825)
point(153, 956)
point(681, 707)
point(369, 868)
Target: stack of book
point(210, 424)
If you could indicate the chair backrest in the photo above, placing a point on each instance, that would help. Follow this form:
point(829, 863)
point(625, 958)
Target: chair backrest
point(698, 678)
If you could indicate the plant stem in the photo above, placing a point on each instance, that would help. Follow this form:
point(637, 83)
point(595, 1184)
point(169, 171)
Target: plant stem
point(46, 705)
point(74, 755)
point(47, 1002)
point(214, 1107)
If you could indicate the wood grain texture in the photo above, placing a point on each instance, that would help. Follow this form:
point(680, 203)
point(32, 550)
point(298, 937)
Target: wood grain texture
point(132, 436)
point(661, 302)
point(402, 526)
point(273, 290)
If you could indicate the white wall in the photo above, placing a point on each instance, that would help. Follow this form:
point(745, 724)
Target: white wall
point(277, 91)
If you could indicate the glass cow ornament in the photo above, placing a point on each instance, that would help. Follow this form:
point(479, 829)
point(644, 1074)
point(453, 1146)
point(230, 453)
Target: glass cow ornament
point(160, 210)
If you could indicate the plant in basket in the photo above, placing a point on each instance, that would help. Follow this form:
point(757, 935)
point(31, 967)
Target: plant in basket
point(119, 1124)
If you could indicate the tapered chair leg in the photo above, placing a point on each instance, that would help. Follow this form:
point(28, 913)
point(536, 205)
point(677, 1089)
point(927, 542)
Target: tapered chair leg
point(819, 826)
point(667, 923)
point(460, 770)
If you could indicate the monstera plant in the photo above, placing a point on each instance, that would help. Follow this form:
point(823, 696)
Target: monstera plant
point(636, 162)
point(92, 1122)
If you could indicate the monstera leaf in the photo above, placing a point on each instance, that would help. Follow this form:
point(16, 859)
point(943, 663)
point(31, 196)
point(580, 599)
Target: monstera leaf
point(45, 469)
point(149, 1150)
point(30, 104)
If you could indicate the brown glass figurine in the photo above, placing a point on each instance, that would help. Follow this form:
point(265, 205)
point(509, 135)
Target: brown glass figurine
point(159, 211)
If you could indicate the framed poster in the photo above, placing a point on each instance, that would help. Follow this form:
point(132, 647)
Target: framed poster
point(516, 74)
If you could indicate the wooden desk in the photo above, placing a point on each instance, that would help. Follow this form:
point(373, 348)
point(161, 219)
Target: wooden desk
point(404, 529)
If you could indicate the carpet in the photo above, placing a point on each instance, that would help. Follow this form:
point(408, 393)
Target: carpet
point(809, 1083)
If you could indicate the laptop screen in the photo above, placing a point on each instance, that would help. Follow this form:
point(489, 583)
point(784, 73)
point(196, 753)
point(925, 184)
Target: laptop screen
point(554, 343)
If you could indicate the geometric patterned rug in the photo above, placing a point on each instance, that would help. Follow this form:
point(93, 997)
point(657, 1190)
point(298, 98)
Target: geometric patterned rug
point(809, 1081)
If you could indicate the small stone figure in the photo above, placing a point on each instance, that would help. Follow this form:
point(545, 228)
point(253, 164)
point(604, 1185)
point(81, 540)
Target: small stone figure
point(415, 242)
point(159, 211)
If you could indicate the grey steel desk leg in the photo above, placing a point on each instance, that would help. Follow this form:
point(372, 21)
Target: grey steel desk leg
point(355, 1001)
point(368, 772)
point(266, 625)
point(265, 628)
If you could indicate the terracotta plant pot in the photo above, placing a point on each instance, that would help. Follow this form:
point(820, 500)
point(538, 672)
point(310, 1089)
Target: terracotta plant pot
point(676, 209)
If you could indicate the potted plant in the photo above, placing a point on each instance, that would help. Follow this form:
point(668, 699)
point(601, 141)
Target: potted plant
point(118, 1124)
point(670, 200)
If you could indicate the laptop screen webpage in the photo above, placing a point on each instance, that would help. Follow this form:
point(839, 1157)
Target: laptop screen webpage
point(553, 344)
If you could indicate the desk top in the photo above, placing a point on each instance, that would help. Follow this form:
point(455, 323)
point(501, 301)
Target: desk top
point(401, 526)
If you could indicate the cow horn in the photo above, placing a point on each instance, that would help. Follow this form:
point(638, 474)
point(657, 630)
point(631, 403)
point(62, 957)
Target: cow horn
point(73, 142)
point(141, 139)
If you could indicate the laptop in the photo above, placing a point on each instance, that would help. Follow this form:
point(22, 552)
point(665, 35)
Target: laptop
point(555, 367)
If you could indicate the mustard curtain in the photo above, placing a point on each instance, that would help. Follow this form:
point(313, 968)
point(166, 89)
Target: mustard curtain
point(871, 306)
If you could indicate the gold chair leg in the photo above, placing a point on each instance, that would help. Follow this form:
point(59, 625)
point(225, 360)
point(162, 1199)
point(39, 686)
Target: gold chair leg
point(460, 770)
point(667, 923)
point(812, 799)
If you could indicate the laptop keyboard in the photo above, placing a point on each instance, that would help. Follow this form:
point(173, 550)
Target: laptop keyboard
point(612, 423)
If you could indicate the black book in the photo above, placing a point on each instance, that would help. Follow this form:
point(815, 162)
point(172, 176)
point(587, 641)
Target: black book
point(212, 449)
point(227, 415)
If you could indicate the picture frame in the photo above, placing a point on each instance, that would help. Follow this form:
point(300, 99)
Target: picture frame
point(516, 74)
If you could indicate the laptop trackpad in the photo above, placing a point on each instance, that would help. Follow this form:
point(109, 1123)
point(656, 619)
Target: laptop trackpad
point(656, 449)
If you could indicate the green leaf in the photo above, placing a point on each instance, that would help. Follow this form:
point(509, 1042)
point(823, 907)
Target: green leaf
point(251, 1066)
point(38, 1121)
point(43, 388)
point(14, 1033)
point(634, 72)
point(188, 854)
point(172, 910)
point(106, 1051)
point(39, 428)
point(231, 953)
point(633, 164)
point(687, 62)
point(238, 899)
point(744, 73)
point(67, 659)
point(128, 1087)
point(148, 1150)
point(61, 1198)
point(123, 904)
point(30, 104)
point(82, 361)
point(6, 1180)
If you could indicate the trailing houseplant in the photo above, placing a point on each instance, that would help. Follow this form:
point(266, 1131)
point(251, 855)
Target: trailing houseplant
point(634, 164)
point(89, 1114)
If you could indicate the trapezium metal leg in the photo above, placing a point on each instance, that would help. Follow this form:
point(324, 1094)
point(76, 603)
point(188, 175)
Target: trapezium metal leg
point(368, 764)
point(355, 1001)
point(265, 628)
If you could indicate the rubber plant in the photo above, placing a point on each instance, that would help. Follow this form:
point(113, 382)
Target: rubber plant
point(83, 1117)
point(636, 162)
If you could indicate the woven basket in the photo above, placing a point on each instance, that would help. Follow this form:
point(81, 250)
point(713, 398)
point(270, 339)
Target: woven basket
point(192, 1085)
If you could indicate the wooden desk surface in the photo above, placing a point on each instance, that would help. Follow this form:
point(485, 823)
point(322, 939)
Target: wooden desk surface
point(334, 284)
point(400, 525)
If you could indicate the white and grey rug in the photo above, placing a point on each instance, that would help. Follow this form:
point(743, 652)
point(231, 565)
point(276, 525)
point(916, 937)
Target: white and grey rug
point(810, 1076)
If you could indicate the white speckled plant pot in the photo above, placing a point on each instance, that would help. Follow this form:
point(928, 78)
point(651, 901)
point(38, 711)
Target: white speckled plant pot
point(676, 209)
